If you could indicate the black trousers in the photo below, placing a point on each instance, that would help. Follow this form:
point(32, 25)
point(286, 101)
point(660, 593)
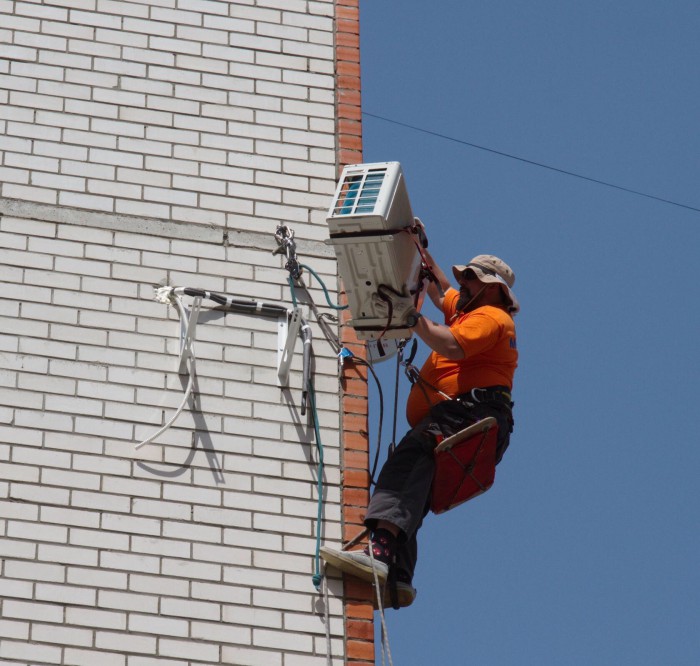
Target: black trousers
point(403, 491)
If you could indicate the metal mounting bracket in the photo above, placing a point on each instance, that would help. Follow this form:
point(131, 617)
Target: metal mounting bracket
point(288, 326)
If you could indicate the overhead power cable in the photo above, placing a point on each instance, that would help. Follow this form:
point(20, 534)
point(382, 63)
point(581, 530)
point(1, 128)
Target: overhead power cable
point(528, 161)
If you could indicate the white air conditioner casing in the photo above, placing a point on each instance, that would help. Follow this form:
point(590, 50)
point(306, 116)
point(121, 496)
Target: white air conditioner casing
point(373, 233)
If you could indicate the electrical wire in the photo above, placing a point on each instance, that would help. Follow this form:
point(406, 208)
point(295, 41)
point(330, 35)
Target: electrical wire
point(500, 153)
point(318, 576)
point(380, 393)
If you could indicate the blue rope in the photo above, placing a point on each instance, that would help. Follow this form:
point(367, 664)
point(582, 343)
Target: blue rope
point(325, 289)
point(317, 577)
point(291, 288)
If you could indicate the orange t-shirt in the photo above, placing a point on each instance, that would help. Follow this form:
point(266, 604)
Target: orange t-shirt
point(487, 336)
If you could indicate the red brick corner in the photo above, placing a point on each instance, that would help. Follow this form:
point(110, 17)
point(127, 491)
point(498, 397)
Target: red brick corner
point(359, 613)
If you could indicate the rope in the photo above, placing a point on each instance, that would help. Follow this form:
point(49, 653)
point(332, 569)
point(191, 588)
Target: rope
point(380, 593)
point(291, 288)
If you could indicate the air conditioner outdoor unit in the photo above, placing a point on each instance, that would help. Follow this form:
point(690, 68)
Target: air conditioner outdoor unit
point(376, 242)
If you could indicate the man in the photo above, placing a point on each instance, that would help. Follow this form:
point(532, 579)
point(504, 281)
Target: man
point(467, 377)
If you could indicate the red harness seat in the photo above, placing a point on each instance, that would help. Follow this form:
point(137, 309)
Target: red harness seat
point(465, 465)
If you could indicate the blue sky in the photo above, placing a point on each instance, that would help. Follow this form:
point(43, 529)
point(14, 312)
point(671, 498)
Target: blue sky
point(587, 549)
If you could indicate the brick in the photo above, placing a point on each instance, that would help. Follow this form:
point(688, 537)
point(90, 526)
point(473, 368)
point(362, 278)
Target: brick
point(30, 652)
point(95, 539)
point(19, 589)
point(68, 555)
point(129, 561)
point(90, 201)
point(91, 657)
point(221, 633)
point(44, 421)
point(66, 594)
point(190, 609)
point(159, 585)
point(123, 8)
point(96, 618)
point(65, 29)
point(253, 657)
point(149, 27)
point(115, 641)
point(188, 649)
point(32, 611)
point(14, 191)
point(149, 624)
point(13, 629)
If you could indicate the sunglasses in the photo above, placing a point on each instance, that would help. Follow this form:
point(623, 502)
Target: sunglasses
point(469, 274)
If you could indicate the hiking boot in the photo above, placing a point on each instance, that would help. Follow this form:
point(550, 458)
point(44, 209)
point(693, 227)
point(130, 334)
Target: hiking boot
point(405, 595)
point(356, 563)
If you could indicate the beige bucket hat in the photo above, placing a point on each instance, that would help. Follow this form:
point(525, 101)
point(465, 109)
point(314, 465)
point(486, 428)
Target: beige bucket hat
point(489, 268)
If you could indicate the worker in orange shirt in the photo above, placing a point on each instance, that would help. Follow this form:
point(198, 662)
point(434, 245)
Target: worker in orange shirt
point(467, 377)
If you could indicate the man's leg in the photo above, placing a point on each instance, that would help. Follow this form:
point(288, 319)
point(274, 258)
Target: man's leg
point(396, 508)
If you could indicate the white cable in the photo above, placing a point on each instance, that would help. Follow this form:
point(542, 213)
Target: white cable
point(169, 292)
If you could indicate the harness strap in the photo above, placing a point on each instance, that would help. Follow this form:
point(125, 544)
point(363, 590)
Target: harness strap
point(486, 394)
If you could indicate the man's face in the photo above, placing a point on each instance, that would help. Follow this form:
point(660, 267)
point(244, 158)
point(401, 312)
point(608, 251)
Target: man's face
point(469, 286)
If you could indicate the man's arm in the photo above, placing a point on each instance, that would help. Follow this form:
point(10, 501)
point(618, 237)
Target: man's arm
point(439, 338)
point(437, 294)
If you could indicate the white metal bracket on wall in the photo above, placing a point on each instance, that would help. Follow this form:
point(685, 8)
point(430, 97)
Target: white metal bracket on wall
point(287, 332)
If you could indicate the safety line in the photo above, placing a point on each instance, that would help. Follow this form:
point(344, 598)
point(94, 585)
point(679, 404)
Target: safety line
point(379, 591)
point(531, 162)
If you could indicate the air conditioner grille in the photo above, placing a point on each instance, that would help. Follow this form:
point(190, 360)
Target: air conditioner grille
point(359, 193)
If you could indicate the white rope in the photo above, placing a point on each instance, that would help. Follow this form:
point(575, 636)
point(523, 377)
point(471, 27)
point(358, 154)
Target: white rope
point(380, 593)
point(169, 294)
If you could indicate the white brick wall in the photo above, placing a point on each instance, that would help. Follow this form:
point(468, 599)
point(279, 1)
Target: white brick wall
point(172, 96)
point(144, 143)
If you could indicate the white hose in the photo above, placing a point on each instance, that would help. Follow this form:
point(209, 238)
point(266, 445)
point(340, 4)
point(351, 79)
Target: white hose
point(167, 294)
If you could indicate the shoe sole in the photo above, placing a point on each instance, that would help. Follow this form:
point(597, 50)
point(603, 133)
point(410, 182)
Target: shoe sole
point(350, 566)
point(405, 597)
